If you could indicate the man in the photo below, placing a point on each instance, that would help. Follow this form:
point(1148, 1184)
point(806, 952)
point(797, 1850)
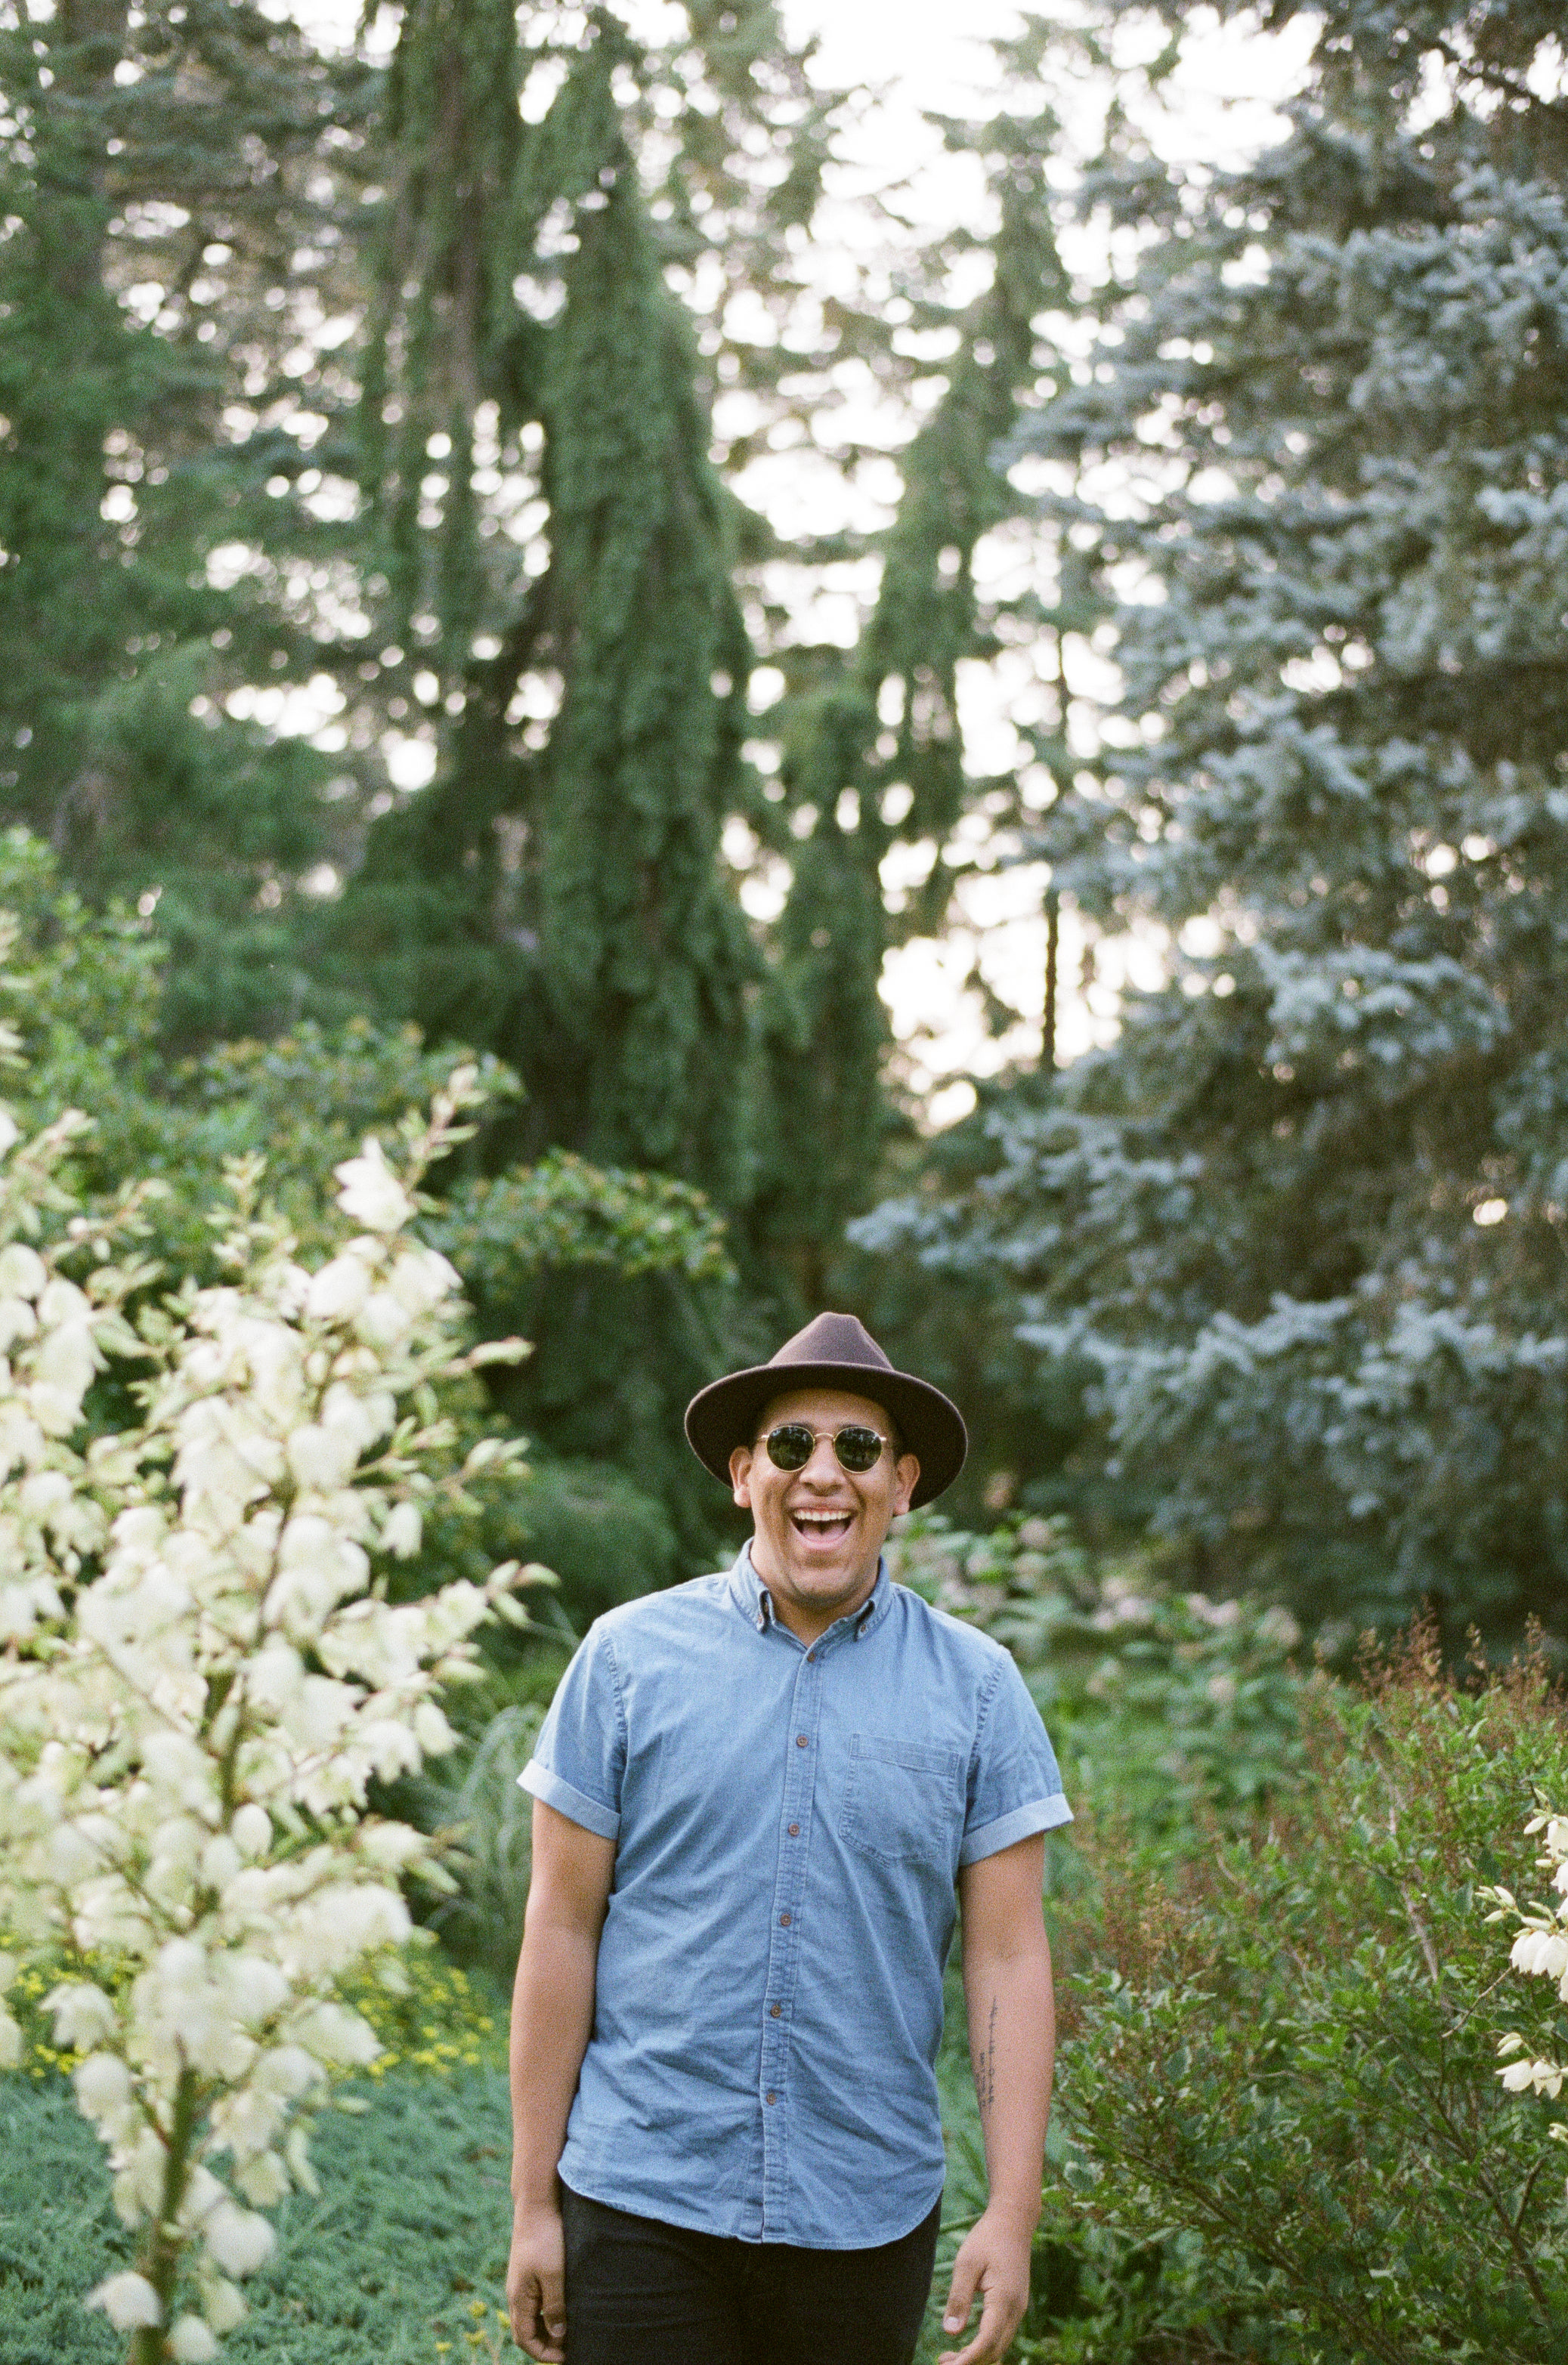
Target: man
point(754, 1797)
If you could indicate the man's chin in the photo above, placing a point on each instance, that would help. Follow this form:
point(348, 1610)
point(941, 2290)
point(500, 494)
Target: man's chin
point(822, 1580)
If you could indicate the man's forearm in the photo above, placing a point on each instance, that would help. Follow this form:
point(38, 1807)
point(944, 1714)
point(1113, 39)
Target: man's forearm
point(1012, 2018)
point(552, 2020)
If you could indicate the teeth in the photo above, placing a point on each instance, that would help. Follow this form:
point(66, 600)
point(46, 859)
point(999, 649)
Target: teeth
point(821, 1518)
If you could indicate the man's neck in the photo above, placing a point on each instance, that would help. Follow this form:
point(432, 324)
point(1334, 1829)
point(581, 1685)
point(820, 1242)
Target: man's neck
point(809, 1621)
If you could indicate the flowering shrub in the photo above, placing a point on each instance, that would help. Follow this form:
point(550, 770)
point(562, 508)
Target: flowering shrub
point(205, 1674)
point(1282, 2131)
point(1541, 1950)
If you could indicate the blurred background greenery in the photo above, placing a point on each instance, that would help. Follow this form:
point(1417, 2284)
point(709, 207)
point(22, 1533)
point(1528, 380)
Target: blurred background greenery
point(412, 645)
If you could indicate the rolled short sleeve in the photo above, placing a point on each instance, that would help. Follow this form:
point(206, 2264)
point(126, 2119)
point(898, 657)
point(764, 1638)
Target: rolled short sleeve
point(579, 1758)
point(1014, 1788)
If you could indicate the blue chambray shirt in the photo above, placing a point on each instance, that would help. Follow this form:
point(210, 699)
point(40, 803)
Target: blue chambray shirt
point(788, 1826)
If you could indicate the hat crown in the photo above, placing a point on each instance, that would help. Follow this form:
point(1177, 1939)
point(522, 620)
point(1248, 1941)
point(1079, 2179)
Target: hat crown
point(833, 1339)
point(833, 1350)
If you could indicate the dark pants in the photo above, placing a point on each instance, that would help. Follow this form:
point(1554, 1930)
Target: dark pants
point(639, 2293)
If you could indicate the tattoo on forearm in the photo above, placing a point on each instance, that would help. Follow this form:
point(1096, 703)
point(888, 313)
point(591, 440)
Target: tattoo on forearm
point(985, 2070)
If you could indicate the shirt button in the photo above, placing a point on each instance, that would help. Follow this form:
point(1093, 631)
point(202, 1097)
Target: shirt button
point(783, 1920)
point(794, 1830)
point(811, 1658)
point(774, 2010)
point(773, 2098)
point(800, 1741)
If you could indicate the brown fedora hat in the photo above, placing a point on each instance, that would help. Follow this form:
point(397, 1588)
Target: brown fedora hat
point(833, 1350)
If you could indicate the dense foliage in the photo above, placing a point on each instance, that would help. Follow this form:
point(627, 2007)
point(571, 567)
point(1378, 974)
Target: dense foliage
point(1299, 2108)
point(84, 995)
point(1281, 2093)
point(1169, 1713)
point(1300, 1223)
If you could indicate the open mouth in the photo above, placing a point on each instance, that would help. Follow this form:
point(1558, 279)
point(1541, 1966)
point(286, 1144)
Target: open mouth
point(822, 1527)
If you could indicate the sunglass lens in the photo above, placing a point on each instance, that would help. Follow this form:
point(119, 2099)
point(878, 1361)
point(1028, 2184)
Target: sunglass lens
point(857, 1448)
point(790, 1448)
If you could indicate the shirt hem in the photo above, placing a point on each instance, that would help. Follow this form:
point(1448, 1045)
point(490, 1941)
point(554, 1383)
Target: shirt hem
point(692, 2222)
point(1039, 1815)
point(576, 1805)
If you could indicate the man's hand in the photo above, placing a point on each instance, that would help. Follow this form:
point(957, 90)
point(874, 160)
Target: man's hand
point(993, 2262)
point(536, 2283)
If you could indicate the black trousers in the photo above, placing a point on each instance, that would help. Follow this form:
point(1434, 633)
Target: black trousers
point(639, 2293)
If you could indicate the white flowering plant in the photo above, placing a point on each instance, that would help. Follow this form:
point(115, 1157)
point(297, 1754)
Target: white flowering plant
point(203, 1675)
point(1541, 1950)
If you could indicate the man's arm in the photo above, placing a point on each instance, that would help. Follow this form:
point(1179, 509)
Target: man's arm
point(552, 2020)
point(1012, 2015)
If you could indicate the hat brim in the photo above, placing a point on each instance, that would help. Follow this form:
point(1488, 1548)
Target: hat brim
point(725, 1412)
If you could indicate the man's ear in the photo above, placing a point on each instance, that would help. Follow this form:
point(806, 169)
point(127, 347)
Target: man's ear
point(906, 1478)
point(740, 1475)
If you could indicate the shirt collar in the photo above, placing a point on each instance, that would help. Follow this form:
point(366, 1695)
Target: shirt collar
point(755, 1601)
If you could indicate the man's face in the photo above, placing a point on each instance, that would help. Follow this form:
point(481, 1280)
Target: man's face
point(819, 1529)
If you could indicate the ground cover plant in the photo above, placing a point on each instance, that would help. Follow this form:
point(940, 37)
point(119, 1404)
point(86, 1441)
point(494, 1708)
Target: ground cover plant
point(401, 2257)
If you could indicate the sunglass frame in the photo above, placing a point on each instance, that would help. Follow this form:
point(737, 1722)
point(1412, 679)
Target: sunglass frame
point(850, 1428)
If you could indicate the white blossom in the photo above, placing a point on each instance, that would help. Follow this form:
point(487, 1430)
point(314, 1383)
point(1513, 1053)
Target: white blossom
point(83, 2015)
point(191, 2341)
point(252, 1830)
point(1541, 1950)
point(222, 2304)
point(239, 2240)
point(402, 1531)
point(339, 1290)
point(23, 1272)
point(371, 1193)
point(103, 2085)
point(127, 2299)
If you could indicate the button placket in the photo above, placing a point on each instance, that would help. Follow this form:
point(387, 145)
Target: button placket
point(783, 1957)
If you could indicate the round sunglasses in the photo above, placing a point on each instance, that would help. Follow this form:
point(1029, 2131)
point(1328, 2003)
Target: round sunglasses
point(792, 1445)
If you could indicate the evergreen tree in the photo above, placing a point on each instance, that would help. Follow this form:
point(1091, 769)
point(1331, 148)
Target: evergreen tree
point(562, 880)
point(873, 745)
point(566, 869)
point(1305, 1217)
point(175, 179)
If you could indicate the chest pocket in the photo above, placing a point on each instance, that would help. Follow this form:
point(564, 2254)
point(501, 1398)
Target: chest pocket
point(904, 1802)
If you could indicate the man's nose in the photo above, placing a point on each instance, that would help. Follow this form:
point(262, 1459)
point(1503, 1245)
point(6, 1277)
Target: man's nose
point(822, 1463)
